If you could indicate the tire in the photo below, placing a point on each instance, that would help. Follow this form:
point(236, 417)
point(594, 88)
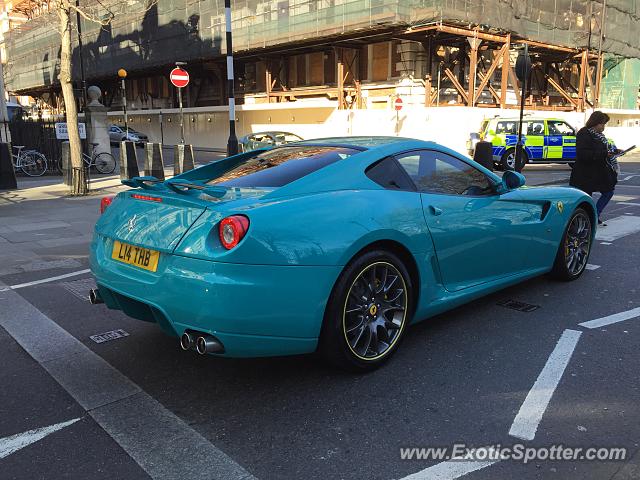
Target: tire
point(351, 327)
point(33, 164)
point(508, 160)
point(104, 163)
point(577, 240)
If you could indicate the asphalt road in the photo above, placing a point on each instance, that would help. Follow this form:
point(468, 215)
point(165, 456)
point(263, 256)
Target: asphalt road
point(462, 377)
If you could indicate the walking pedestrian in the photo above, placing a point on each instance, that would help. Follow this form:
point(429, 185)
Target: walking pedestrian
point(596, 168)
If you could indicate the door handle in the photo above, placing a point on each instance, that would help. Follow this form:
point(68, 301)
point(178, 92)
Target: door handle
point(435, 210)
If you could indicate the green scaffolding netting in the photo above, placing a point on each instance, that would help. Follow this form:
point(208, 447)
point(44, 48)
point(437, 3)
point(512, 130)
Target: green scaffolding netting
point(147, 33)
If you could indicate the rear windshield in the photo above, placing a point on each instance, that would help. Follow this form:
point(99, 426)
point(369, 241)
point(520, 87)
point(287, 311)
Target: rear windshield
point(280, 166)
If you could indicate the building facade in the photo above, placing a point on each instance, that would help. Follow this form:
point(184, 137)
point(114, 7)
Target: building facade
point(358, 53)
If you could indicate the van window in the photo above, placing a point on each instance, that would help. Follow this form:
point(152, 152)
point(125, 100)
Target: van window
point(507, 127)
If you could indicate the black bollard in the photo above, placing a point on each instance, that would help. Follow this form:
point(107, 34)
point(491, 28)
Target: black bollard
point(7, 173)
point(153, 162)
point(484, 154)
point(65, 163)
point(128, 161)
point(182, 158)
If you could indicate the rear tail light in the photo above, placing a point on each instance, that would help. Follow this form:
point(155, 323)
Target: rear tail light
point(104, 203)
point(232, 230)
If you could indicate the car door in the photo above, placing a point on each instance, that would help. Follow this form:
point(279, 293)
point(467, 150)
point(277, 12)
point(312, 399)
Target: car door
point(478, 234)
point(535, 141)
point(560, 141)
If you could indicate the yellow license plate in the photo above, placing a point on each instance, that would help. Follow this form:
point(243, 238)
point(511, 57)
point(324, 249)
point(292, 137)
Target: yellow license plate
point(137, 256)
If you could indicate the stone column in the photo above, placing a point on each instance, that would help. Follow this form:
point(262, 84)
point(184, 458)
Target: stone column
point(97, 122)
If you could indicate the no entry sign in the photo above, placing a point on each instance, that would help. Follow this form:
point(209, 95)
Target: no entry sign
point(179, 77)
point(398, 104)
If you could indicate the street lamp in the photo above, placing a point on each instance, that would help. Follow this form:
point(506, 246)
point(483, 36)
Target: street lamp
point(232, 143)
point(523, 70)
point(122, 73)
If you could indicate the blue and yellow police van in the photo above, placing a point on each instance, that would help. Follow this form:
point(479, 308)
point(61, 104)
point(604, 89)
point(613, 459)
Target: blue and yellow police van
point(546, 140)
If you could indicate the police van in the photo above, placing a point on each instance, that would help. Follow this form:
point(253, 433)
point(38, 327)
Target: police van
point(546, 140)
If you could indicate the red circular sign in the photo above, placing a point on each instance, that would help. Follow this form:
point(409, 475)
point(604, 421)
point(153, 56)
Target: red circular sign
point(398, 104)
point(179, 77)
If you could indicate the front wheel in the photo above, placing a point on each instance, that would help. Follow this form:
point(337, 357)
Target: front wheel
point(33, 164)
point(367, 313)
point(104, 162)
point(575, 247)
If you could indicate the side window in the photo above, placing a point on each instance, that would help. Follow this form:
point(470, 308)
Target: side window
point(388, 174)
point(506, 127)
point(437, 172)
point(535, 127)
point(560, 128)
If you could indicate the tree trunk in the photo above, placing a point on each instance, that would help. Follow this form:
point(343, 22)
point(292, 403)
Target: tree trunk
point(75, 147)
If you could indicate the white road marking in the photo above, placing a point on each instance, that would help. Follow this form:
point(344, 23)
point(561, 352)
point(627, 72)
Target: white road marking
point(526, 422)
point(619, 227)
point(449, 470)
point(9, 445)
point(623, 198)
point(44, 280)
point(615, 318)
point(160, 442)
point(592, 267)
point(629, 203)
point(605, 243)
point(629, 177)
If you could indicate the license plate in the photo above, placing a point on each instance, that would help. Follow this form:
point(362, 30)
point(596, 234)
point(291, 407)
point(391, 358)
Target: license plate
point(136, 256)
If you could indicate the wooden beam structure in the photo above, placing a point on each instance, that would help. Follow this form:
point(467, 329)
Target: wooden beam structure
point(456, 84)
point(504, 79)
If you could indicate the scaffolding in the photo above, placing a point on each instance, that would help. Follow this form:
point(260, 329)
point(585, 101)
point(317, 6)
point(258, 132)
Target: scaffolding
point(464, 43)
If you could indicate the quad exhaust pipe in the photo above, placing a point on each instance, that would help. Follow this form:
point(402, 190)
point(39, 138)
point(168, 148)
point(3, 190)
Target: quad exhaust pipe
point(94, 296)
point(202, 343)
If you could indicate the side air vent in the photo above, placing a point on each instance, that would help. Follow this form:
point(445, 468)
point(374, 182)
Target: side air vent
point(545, 210)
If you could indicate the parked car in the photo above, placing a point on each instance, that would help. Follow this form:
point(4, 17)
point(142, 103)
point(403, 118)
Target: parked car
point(266, 139)
point(335, 245)
point(119, 134)
point(546, 140)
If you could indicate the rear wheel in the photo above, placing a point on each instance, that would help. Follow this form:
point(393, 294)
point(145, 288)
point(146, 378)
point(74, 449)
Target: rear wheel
point(575, 247)
point(508, 160)
point(33, 164)
point(367, 312)
point(104, 162)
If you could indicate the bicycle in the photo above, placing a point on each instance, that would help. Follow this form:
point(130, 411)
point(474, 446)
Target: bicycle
point(104, 162)
point(31, 162)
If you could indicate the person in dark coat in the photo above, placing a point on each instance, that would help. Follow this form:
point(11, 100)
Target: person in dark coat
point(595, 168)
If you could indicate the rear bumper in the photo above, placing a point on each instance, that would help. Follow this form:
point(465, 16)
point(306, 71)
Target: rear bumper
point(255, 310)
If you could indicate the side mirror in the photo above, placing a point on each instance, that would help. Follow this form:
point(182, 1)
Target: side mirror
point(512, 180)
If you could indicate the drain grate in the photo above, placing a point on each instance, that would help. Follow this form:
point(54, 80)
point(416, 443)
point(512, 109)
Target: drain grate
point(519, 306)
point(107, 336)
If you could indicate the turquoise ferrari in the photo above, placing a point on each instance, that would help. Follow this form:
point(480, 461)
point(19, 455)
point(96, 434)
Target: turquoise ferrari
point(334, 245)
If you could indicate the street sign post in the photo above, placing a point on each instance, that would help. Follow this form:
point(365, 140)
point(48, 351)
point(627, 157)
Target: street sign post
point(180, 79)
point(397, 105)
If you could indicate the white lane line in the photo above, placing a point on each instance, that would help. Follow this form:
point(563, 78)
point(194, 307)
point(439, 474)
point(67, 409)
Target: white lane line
point(9, 445)
point(160, 442)
point(615, 318)
point(605, 243)
point(619, 227)
point(526, 422)
point(449, 470)
point(590, 266)
point(629, 203)
point(44, 280)
point(623, 198)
